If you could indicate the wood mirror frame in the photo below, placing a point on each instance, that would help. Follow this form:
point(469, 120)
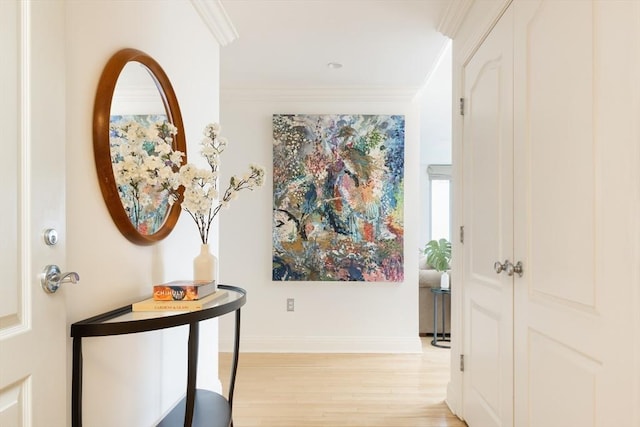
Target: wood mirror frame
point(101, 141)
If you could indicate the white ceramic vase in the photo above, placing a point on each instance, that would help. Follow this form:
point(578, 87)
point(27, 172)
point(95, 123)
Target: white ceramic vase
point(204, 265)
point(444, 280)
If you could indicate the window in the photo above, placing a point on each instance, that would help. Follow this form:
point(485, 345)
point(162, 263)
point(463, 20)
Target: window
point(439, 201)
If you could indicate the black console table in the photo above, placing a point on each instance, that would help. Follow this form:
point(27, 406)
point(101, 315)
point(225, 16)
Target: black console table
point(199, 408)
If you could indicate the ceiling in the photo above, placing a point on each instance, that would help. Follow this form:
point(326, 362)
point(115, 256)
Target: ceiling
point(382, 44)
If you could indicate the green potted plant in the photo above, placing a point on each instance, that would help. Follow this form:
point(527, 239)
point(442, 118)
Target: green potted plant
point(438, 254)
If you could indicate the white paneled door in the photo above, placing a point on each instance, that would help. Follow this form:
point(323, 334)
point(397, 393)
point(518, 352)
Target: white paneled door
point(33, 335)
point(550, 180)
point(575, 169)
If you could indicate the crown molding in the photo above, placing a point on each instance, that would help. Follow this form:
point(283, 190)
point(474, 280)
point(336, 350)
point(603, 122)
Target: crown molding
point(453, 16)
point(321, 94)
point(216, 19)
point(481, 29)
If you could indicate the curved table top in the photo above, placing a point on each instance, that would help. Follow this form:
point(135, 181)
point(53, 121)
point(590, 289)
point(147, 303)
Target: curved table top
point(125, 321)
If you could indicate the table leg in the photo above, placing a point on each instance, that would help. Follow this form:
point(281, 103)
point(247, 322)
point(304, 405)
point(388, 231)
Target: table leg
point(435, 320)
point(444, 315)
point(192, 370)
point(76, 384)
point(234, 365)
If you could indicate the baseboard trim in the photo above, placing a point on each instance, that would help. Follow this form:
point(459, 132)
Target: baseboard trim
point(255, 344)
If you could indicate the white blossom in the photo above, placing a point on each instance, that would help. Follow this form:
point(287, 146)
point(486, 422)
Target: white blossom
point(146, 166)
point(143, 162)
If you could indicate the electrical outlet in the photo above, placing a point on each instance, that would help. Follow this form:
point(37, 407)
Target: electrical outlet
point(290, 304)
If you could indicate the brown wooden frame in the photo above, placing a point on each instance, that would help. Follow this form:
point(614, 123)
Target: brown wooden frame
point(101, 148)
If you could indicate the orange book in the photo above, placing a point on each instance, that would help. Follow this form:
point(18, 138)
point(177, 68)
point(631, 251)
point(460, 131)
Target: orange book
point(183, 290)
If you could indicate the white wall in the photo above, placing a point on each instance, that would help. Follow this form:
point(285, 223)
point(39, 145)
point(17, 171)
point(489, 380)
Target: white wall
point(328, 316)
point(131, 380)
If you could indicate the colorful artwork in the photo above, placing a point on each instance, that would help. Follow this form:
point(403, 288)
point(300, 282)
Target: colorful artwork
point(338, 197)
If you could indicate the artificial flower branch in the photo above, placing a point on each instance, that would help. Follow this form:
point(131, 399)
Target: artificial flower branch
point(253, 180)
point(201, 185)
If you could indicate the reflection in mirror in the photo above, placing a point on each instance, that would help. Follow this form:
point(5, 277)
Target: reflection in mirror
point(138, 141)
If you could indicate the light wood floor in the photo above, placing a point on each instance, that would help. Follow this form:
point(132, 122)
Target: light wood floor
point(342, 390)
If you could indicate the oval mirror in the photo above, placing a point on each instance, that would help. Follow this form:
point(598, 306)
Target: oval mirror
point(137, 133)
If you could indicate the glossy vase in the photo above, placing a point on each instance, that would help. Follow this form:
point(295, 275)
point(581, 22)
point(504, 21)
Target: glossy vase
point(444, 280)
point(204, 265)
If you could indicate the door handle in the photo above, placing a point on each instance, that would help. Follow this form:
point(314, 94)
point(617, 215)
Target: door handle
point(509, 268)
point(52, 278)
point(500, 267)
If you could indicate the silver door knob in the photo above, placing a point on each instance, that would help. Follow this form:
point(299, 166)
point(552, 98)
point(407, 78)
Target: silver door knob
point(52, 278)
point(510, 268)
point(500, 267)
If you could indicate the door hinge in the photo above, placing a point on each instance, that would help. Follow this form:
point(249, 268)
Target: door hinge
point(462, 363)
point(462, 106)
point(462, 234)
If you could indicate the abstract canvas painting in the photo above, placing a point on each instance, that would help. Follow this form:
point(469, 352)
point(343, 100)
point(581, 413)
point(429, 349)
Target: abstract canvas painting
point(338, 197)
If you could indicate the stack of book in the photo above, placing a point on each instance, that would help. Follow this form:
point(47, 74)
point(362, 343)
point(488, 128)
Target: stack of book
point(180, 295)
